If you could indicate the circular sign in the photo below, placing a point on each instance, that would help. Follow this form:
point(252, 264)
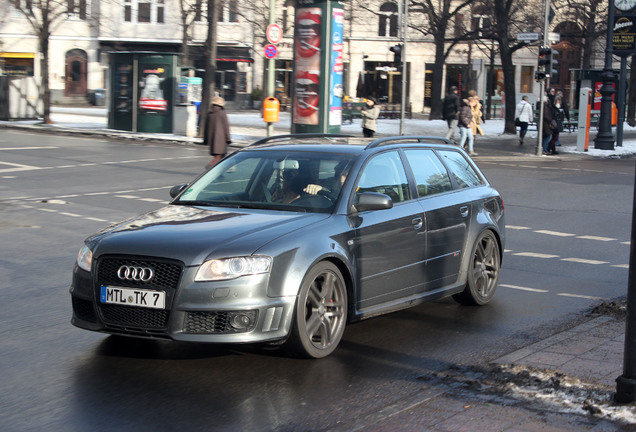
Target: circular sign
point(274, 33)
point(271, 51)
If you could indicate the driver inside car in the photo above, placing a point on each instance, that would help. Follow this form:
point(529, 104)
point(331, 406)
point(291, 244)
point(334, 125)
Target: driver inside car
point(332, 186)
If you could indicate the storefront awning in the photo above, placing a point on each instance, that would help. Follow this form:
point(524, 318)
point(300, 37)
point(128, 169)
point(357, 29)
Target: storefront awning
point(17, 55)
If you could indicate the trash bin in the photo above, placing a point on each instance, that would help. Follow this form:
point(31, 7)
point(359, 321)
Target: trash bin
point(99, 97)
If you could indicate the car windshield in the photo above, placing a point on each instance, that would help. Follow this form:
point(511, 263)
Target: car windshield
point(272, 179)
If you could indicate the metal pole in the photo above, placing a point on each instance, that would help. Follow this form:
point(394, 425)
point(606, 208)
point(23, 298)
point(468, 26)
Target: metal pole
point(604, 138)
point(405, 19)
point(620, 102)
point(546, 82)
point(626, 383)
point(271, 66)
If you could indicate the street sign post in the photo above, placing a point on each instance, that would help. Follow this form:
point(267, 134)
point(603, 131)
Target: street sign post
point(271, 51)
point(274, 33)
point(528, 37)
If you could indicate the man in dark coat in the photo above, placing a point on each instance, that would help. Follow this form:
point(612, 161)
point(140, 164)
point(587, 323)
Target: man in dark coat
point(217, 130)
point(451, 107)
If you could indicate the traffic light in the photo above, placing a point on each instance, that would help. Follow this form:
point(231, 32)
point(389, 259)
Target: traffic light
point(547, 63)
point(397, 53)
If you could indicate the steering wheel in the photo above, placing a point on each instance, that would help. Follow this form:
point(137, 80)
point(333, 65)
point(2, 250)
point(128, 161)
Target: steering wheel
point(326, 194)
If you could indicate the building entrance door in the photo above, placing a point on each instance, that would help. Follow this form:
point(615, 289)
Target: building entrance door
point(75, 73)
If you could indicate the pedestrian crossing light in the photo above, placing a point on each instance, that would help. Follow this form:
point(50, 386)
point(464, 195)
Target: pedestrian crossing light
point(397, 53)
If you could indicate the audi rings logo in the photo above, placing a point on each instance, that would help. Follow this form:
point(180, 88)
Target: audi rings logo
point(135, 274)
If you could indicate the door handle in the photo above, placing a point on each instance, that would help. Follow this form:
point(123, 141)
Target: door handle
point(417, 223)
point(463, 211)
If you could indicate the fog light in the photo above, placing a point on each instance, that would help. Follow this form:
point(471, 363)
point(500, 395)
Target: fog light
point(242, 320)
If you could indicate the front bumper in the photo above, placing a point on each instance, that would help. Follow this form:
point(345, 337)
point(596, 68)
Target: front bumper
point(195, 311)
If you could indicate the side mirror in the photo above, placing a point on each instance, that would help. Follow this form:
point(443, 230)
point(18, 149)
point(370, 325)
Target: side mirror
point(372, 201)
point(176, 190)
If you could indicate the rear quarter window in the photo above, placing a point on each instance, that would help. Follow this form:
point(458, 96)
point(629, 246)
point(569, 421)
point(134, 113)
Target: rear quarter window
point(461, 169)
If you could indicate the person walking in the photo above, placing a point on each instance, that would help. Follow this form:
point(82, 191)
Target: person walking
point(465, 123)
point(561, 107)
point(548, 126)
point(475, 107)
point(451, 108)
point(369, 118)
point(524, 114)
point(217, 130)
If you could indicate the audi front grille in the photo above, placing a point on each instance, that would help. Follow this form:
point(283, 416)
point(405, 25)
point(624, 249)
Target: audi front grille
point(166, 277)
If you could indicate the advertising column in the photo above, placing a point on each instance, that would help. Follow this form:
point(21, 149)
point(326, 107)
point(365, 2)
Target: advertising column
point(318, 64)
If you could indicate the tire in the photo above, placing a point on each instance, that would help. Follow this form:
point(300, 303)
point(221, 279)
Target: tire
point(320, 315)
point(483, 271)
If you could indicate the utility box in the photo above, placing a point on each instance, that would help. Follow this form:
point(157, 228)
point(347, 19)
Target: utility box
point(143, 91)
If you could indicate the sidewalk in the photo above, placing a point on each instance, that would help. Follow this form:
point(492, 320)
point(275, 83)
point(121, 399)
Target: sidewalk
point(563, 383)
point(247, 126)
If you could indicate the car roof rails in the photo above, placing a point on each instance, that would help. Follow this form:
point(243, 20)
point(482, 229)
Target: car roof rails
point(298, 136)
point(420, 139)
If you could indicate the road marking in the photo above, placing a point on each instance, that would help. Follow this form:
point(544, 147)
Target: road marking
point(625, 266)
point(603, 239)
point(536, 255)
point(584, 261)
point(17, 167)
point(554, 233)
point(515, 227)
point(580, 296)
point(523, 288)
point(28, 148)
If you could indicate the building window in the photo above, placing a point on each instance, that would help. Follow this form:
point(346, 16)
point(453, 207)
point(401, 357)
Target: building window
point(77, 9)
point(228, 11)
point(481, 22)
point(144, 11)
point(388, 20)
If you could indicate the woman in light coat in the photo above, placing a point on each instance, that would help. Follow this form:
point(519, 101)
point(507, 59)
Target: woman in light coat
point(525, 115)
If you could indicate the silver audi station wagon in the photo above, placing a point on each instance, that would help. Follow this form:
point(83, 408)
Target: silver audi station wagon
point(286, 241)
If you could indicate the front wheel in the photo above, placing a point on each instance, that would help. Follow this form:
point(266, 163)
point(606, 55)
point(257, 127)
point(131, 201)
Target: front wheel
point(320, 314)
point(483, 271)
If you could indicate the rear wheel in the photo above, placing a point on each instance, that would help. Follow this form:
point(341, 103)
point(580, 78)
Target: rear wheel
point(483, 271)
point(321, 313)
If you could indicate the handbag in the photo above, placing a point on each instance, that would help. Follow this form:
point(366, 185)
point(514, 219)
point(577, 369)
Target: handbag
point(517, 122)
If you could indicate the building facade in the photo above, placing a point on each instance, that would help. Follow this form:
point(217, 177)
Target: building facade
point(88, 30)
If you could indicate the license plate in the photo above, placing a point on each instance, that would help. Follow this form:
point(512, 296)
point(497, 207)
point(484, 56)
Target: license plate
point(133, 297)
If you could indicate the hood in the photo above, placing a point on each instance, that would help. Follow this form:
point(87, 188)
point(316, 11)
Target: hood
point(191, 234)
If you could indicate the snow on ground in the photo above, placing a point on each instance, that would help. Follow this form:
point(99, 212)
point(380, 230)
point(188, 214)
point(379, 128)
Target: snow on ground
point(245, 125)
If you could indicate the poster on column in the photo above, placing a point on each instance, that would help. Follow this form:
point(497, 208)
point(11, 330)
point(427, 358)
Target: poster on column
point(307, 65)
point(151, 89)
point(337, 92)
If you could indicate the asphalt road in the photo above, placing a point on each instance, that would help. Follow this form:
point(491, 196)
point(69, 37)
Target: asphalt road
point(569, 222)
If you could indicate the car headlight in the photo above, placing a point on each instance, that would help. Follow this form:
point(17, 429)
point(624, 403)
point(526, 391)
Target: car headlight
point(85, 258)
point(232, 268)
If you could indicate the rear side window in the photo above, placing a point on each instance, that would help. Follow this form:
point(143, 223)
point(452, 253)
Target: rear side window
point(430, 174)
point(462, 171)
point(385, 174)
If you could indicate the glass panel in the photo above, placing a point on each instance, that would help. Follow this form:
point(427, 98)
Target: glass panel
point(143, 12)
point(462, 171)
point(385, 174)
point(430, 174)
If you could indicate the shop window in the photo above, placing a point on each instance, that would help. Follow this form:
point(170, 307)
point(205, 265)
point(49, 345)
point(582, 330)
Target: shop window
point(526, 79)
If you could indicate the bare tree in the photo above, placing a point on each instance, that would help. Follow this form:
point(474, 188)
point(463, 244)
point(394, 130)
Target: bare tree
point(591, 19)
point(210, 63)
point(44, 16)
point(509, 18)
point(190, 11)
